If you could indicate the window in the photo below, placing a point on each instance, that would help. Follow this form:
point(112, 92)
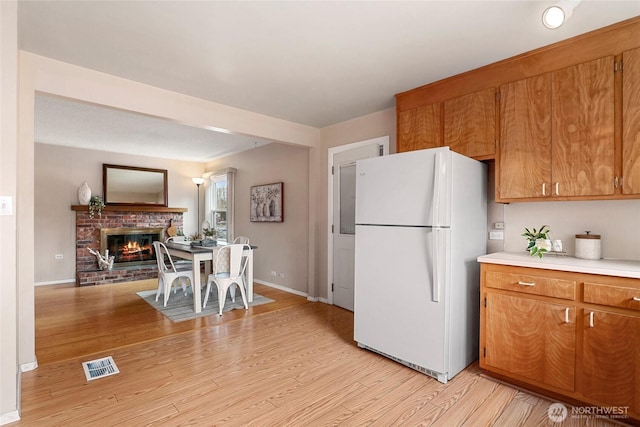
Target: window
point(220, 203)
point(219, 206)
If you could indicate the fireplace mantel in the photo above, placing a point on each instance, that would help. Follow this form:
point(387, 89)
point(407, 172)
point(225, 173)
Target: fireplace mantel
point(132, 208)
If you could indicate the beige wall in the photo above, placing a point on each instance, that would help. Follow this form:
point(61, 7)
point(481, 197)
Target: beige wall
point(382, 123)
point(615, 220)
point(282, 247)
point(8, 225)
point(59, 171)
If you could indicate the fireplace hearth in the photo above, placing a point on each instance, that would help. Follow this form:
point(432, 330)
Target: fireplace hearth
point(130, 246)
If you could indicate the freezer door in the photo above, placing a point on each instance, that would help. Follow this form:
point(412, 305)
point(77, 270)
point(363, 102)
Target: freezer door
point(411, 189)
point(399, 308)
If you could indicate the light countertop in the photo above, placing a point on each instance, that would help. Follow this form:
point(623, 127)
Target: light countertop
point(606, 267)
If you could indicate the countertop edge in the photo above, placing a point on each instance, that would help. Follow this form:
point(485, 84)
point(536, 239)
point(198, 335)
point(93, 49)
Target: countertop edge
point(605, 267)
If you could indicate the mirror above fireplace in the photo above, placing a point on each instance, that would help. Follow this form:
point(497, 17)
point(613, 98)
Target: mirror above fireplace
point(129, 185)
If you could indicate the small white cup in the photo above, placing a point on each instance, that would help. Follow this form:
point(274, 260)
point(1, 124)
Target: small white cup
point(543, 244)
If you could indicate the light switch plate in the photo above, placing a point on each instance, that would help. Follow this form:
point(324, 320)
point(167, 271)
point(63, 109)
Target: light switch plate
point(6, 205)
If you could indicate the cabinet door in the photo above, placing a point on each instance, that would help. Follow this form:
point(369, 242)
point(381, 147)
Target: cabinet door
point(420, 128)
point(631, 122)
point(582, 129)
point(611, 359)
point(524, 166)
point(530, 339)
point(470, 124)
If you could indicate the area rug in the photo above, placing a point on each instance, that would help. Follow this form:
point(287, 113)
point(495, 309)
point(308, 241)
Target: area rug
point(180, 307)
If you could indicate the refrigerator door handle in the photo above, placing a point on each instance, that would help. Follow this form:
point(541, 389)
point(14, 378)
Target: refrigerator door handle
point(437, 188)
point(435, 276)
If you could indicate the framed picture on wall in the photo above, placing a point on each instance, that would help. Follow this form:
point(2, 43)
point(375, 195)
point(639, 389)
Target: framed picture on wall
point(266, 203)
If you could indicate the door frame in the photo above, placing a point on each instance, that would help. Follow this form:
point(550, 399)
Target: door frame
point(382, 140)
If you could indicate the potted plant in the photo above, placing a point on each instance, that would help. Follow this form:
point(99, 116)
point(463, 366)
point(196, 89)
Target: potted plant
point(536, 240)
point(209, 233)
point(95, 205)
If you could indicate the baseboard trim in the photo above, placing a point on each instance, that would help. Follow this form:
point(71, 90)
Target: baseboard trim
point(292, 291)
point(280, 287)
point(9, 417)
point(29, 366)
point(55, 282)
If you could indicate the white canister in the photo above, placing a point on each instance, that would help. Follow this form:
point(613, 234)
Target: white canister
point(588, 246)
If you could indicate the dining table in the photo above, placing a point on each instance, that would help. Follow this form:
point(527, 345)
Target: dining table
point(202, 254)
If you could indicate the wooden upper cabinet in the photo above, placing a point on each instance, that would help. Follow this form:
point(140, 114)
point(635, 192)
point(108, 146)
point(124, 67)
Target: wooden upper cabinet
point(420, 128)
point(525, 138)
point(557, 134)
point(583, 146)
point(470, 124)
point(631, 122)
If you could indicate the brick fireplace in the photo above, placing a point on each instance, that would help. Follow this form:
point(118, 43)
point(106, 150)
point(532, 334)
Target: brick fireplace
point(150, 220)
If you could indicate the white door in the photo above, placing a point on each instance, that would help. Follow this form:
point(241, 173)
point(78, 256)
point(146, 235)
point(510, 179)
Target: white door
point(344, 203)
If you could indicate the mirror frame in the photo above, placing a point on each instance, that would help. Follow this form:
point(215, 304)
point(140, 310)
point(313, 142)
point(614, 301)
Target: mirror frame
point(113, 201)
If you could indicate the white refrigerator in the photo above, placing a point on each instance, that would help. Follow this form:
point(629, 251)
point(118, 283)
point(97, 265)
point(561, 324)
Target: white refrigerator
point(420, 225)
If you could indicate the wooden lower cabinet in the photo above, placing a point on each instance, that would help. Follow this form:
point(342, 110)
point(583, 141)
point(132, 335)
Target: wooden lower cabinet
point(611, 358)
point(531, 339)
point(573, 334)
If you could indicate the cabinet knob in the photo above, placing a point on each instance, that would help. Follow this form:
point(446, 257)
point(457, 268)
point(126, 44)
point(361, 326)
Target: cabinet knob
point(566, 315)
point(544, 187)
point(591, 319)
point(636, 298)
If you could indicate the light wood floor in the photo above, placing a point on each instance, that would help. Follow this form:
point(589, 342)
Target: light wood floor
point(288, 363)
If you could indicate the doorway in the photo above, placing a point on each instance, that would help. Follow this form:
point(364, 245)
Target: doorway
point(341, 215)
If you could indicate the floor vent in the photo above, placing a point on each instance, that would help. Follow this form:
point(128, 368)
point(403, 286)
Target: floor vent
point(100, 368)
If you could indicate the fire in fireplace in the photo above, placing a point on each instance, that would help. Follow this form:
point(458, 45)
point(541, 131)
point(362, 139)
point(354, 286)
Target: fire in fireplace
point(130, 246)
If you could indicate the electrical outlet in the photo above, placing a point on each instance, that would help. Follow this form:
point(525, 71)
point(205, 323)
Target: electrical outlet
point(281, 275)
point(6, 205)
point(499, 225)
point(496, 235)
point(274, 274)
point(59, 256)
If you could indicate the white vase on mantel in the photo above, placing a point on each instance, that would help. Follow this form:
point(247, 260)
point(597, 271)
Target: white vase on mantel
point(84, 194)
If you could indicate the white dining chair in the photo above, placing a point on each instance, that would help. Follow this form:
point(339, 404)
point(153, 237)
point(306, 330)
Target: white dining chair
point(235, 253)
point(168, 272)
point(243, 240)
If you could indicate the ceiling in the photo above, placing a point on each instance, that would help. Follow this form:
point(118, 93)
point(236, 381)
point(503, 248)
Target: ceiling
point(315, 63)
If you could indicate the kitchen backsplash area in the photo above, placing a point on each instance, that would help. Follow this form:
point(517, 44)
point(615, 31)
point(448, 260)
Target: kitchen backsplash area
point(616, 221)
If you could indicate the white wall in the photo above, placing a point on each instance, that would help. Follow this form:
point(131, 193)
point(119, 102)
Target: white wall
point(9, 376)
point(59, 171)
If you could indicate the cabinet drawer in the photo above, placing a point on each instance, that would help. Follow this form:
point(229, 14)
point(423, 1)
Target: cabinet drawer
point(614, 296)
point(536, 285)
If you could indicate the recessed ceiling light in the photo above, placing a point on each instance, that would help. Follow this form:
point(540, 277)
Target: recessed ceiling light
point(553, 17)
